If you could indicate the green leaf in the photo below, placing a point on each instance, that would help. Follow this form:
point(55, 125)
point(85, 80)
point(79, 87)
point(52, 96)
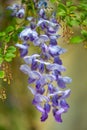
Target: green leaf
point(62, 7)
point(9, 29)
point(61, 13)
point(2, 74)
point(15, 37)
point(7, 39)
point(61, 10)
point(84, 33)
point(11, 49)
point(68, 21)
point(8, 57)
point(83, 6)
point(82, 16)
point(73, 22)
point(2, 34)
point(76, 39)
point(69, 3)
point(72, 8)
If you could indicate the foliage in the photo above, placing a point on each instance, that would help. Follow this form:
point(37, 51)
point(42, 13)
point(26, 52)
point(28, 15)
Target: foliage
point(73, 15)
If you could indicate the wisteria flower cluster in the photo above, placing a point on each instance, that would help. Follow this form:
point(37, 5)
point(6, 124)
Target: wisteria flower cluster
point(44, 69)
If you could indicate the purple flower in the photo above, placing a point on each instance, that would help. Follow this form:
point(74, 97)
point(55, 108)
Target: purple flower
point(31, 80)
point(64, 105)
point(38, 98)
point(17, 10)
point(47, 107)
point(40, 108)
point(56, 50)
point(23, 48)
point(33, 25)
point(47, 22)
point(55, 100)
point(34, 64)
point(42, 13)
point(62, 81)
point(44, 110)
point(28, 59)
point(53, 67)
point(28, 34)
point(40, 40)
point(57, 60)
point(57, 114)
point(20, 13)
point(14, 6)
point(44, 69)
point(66, 93)
point(32, 74)
point(51, 88)
point(41, 67)
point(44, 49)
point(53, 41)
point(44, 116)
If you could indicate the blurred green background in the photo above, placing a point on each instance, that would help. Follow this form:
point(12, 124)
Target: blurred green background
point(17, 111)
